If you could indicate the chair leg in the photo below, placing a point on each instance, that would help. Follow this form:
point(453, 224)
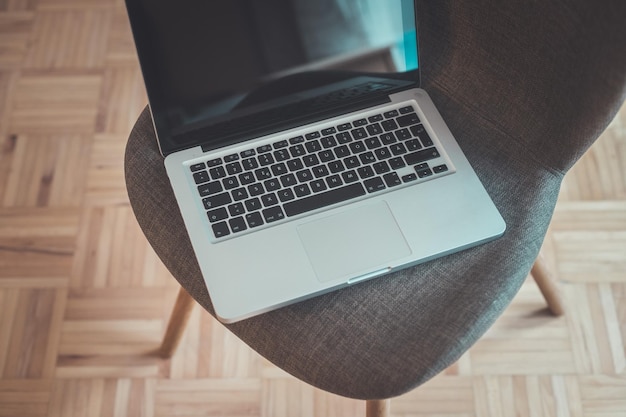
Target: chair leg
point(177, 323)
point(547, 286)
point(377, 408)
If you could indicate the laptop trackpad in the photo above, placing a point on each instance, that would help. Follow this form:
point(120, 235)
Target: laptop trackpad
point(355, 241)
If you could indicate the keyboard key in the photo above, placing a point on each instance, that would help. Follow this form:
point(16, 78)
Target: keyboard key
point(318, 186)
point(320, 171)
point(334, 181)
point(255, 189)
point(328, 142)
point(304, 175)
point(214, 162)
point(403, 134)
point(358, 147)
point(217, 173)
point(310, 160)
point(281, 155)
point(297, 150)
point(408, 119)
point(390, 114)
point(220, 229)
point(381, 167)
point(217, 214)
point(231, 158)
point(342, 151)
point(375, 118)
point(336, 166)
point(329, 131)
point(246, 178)
point(424, 173)
point(263, 174)
point(210, 188)
point(269, 200)
point(374, 184)
point(392, 179)
point(421, 156)
point(288, 180)
point(273, 214)
point(236, 209)
point(247, 153)
point(297, 139)
point(281, 144)
point(397, 163)
point(359, 122)
point(406, 109)
point(272, 184)
point(398, 149)
point(201, 177)
point(230, 183)
point(217, 200)
point(238, 224)
point(440, 168)
point(313, 146)
point(387, 138)
point(374, 129)
point(359, 133)
point(197, 167)
point(344, 126)
point(413, 145)
point(365, 172)
point(324, 199)
point(389, 125)
point(295, 164)
point(265, 159)
point(279, 169)
point(264, 148)
point(349, 176)
point(233, 168)
point(253, 204)
point(343, 137)
point(286, 195)
point(302, 190)
point(367, 158)
point(254, 219)
point(421, 133)
point(372, 143)
point(326, 155)
point(352, 162)
point(250, 164)
point(312, 135)
point(239, 194)
point(382, 153)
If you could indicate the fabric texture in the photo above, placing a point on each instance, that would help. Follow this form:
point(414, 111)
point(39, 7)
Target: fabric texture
point(525, 87)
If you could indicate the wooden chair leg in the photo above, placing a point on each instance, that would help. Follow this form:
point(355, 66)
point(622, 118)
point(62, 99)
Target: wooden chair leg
point(177, 323)
point(377, 408)
point(547, 286)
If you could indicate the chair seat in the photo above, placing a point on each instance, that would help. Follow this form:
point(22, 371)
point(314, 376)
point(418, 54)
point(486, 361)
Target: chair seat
point(384, 337)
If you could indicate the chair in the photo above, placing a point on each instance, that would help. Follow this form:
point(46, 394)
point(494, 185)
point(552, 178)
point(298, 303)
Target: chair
point(526, 87)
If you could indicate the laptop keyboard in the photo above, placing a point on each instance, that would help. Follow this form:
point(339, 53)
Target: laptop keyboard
point(273, 182)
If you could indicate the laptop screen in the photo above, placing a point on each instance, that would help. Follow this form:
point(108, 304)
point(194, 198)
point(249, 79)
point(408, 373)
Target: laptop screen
point(209, 63)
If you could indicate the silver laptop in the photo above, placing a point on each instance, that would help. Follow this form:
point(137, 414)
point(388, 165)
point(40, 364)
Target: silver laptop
point(303, 154)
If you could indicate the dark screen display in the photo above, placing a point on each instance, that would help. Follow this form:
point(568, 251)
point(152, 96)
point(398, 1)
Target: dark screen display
point(208, 62)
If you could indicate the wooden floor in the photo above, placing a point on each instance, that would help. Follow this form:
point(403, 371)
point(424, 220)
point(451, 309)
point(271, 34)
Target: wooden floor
point(84, 300)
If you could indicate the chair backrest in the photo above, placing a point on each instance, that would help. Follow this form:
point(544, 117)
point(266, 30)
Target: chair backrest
point(556, 71)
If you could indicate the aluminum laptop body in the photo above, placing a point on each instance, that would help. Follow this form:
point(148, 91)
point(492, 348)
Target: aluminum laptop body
point(303, 155)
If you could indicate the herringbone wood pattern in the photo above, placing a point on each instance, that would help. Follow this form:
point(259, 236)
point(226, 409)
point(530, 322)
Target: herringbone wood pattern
point(84, 300)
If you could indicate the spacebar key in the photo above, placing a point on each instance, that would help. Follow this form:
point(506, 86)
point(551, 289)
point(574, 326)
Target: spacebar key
point(320, 200)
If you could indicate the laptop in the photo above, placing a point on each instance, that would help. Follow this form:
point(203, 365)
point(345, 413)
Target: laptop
point(302, 152)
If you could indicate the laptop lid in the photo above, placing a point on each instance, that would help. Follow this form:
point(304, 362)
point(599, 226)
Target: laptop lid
point(222, 71)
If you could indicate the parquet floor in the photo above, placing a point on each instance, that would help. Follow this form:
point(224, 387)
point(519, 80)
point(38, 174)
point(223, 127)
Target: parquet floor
point(84, 300)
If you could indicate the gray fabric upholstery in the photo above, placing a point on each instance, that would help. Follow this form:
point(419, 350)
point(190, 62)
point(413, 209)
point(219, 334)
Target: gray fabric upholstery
point(526, 87)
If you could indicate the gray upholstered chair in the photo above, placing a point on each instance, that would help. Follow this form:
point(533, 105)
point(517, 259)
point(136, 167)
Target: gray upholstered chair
point(526, 87)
